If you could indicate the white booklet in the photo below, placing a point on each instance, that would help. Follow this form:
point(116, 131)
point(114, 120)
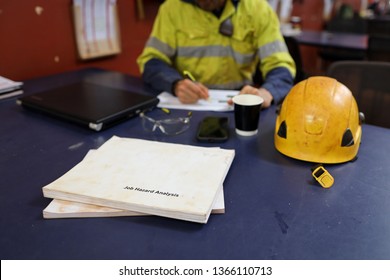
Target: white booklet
point(217, 101)
point(170, 180)
point(58, 209)
point(7, 85)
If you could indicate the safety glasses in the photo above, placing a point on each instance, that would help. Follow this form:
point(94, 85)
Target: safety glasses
point(169, 126)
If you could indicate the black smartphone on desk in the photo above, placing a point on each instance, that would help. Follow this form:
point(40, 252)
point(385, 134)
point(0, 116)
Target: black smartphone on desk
point(213, 129)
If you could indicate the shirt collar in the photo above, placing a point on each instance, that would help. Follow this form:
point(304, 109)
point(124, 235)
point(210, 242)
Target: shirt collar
point(219, 12)
point(235, 2)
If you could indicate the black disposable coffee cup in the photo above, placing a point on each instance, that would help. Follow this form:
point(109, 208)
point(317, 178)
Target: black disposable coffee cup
point(247, 113)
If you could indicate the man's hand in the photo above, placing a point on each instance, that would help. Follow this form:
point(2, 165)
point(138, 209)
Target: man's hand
point(190, 92)
point(262, 92)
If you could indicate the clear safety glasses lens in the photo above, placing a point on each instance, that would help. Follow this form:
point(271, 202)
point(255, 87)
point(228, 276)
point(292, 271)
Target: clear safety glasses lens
point(172, 126)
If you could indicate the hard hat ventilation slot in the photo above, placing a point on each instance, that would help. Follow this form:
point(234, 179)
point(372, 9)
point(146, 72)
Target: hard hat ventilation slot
point(347, 140)
point(282, 131)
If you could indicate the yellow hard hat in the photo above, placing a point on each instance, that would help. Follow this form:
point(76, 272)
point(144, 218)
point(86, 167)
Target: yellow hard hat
point(319, 122)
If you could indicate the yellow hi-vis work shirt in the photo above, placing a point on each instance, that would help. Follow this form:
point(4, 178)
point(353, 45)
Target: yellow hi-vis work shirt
point(187, 38)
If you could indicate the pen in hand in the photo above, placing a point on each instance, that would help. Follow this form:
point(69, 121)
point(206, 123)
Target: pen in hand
point(188, 75)
point(202, 91)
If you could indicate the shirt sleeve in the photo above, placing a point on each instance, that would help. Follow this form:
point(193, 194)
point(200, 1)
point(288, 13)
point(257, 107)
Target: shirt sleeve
point(276, 64)
point(278, 81)
point(159, 75)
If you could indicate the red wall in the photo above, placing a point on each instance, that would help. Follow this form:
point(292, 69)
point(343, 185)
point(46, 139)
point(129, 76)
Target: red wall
point(34, 45)
point(311, 13)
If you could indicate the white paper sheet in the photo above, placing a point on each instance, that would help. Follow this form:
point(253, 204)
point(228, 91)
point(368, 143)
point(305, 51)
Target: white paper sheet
point(216, 102)
point(7, 85)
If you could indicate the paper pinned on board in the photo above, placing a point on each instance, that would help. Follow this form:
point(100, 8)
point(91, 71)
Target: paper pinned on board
point(216, 102)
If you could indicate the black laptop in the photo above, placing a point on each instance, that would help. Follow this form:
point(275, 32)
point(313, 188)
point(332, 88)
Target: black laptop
point(94, 106)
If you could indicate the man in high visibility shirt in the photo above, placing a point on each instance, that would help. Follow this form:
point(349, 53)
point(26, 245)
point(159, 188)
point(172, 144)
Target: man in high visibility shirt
point(220, 42)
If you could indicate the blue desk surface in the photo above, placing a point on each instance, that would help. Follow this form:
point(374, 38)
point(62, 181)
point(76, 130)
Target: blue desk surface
point(274, 210)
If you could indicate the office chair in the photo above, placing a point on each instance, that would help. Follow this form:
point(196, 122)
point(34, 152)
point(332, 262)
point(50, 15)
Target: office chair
point(295, 52)
point(379, 48)
point(356, 25)
point(369, 83)
point(378, 26)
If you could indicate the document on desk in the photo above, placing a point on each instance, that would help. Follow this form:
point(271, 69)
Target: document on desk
point(58, 209)
point(216, 102)
point(170, 180)
point(7, 85)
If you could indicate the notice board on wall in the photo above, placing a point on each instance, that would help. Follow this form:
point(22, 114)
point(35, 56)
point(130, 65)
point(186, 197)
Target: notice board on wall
point(96, 28)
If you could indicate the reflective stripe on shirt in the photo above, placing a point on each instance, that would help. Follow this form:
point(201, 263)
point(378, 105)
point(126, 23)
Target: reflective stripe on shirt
point(161, 46)
point(200, 51)
point(271, 48)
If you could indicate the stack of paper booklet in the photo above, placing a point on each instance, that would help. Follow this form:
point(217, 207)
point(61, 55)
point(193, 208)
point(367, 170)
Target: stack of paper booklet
point(127, 176)
point(9, 88)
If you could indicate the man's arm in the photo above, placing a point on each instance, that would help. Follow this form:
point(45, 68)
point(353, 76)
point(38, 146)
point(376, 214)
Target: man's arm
point(278, 81)
point(160, 75)
point(163, 77)
point(276, 64)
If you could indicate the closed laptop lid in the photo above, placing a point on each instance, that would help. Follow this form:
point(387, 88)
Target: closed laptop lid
point(90, 104)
